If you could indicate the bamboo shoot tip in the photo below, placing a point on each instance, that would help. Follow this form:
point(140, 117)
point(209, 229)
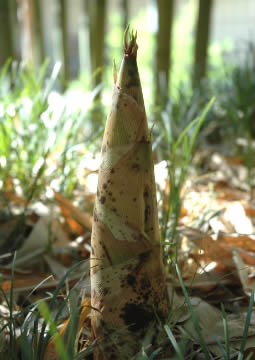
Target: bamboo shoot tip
point(130, 45)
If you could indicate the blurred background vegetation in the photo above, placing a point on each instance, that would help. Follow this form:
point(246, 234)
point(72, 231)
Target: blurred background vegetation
point(175, 37)
point(56, 80)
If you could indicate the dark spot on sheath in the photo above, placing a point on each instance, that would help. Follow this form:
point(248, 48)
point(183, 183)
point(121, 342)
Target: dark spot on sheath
point(107, 254)
point(98, 193)
point(95, 217)
point(145, 283)
point(141, 236)
point(134, 199)
point(145, 194)
point(135, 166)
point(102, 199)
point(110, 193)
point(106, 291)
point(112, 171)
point(113, 199)
point(125, 104)
point(136, 316)
point(104, 186)
point(146, 297)
point(133, 74)
point(104, 148)
point(92, 250)
point(144, 256)
point(131, 280)
point(146, 213)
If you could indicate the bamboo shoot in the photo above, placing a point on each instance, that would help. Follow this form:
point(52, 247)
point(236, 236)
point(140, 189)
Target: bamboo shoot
point(128, 290)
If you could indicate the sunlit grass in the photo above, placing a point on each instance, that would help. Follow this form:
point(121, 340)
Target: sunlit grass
point(47, 139)
point(44, 134)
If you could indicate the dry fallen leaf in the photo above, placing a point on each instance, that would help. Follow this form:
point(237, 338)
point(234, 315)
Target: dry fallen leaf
point(211, 325)
point(51, 352)
point(77, 220)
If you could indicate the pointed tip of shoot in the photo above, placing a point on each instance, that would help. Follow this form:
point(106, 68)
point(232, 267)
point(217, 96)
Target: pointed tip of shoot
point(130, 45)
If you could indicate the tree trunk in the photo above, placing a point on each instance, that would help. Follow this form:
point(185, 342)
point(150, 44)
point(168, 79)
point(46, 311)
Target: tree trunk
point(14, 29)
point(63, 27)
point(202, 39)
point(97, 35)
point(164, 43)
point(38, 32)
point(6, 44)
point(84, 41)
point(127, 276)
point(125, 13)
point(32, 44)
point(97, 12)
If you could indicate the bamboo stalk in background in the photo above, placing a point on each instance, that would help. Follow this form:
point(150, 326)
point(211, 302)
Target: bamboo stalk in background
point(31, 27)
point(97, 18)
point(97, 12)
point(6, 44)
point(202, 40)
point(63, 26)
point(84, 41)
point(128, 290)
point(39, 31)
point(14, 29)
point(164, 44)
point(125, 13)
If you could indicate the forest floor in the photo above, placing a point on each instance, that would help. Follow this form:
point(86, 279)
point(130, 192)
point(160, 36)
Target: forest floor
point(216, 253)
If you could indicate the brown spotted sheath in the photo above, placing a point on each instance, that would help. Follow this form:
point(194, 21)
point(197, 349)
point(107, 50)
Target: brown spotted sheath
point(127, 277)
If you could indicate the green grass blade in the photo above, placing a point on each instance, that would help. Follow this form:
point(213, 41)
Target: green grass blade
point(173, 342)
point(155, 353)
point(12, 323)
point(54, 331)
point(246, 327)
point(5, 69)
point(200, 122)
point(193, 315)
point(225, 325)
point(26, 339)
point(221, 348)
point(41, 342)
point(72, 327)
point(184, 133)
